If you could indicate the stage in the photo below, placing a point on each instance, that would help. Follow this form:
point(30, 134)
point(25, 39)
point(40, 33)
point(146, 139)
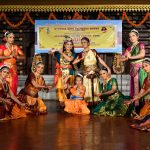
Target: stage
point(61, 131)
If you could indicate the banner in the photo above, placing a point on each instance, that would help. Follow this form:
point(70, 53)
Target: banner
point(105, 35)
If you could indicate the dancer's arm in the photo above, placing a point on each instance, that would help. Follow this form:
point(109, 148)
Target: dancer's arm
point(13, 97)
point(113, 90)
point(101, 61)
point(140, 55)
point(77, 60)
point(142, 95)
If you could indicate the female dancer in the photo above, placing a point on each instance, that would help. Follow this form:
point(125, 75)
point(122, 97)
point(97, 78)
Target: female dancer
point(13, 108)
point(144, 92)
point(76, 104)
point(112, 104)
point(9, 54)
point(135, 55)
point(64, 68)
point(90, 60)
point(35, 83)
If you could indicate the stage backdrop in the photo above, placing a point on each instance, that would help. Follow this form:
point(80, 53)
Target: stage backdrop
point(105, 35)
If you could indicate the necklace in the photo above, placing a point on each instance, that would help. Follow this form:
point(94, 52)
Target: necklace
point(135, 44)
point(4, 85)
point(11, 50)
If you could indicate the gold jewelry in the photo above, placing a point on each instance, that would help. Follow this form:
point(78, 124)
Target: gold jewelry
point(135, 44)
point(5, 87)
point(36, 60)
point(10, 50)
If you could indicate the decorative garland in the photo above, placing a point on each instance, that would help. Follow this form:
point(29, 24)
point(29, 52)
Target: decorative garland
point(76, 16)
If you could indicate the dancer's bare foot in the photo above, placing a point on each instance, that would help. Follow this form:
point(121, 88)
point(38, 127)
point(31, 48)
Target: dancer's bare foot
point(137, 117)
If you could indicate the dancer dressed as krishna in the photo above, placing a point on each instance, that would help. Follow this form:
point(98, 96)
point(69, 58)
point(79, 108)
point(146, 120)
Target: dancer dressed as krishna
point(64, 74)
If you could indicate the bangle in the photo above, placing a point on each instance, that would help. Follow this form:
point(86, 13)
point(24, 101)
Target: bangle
point(127, 58)
point(20, 103)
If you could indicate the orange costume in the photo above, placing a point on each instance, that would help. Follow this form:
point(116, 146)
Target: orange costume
point(11, 109)
point(29, 94)
point(11, 62)
point(76, 104)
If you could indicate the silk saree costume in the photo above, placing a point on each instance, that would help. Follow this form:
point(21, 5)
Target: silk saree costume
point(136, 72)
point(76, 104)
point(146, 108)
point(11, 62)
point(112, 104)
point(11, 110)
point(29, 94)
point(90, 63)
point(64, 74)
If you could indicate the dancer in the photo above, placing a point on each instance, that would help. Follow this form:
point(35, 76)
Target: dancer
point(64, 68)
point(135, 55)
point(144, 92)
point(76, 104)
point(9, 54)
point(112, 99)
point(90, 60)
point(35, 83)
point(13, 108)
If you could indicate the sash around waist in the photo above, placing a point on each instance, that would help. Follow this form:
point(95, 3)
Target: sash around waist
point(76, 97)
point(64, 67)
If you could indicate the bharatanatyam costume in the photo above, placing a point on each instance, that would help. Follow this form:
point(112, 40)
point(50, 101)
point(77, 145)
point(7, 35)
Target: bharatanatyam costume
point(64, 73)
point(145, 110)
point(136, 72)
point(90, 63)
point(76, 104)
point(112, 104)
point(14, 51)
point(29, 94)
point(9, 109)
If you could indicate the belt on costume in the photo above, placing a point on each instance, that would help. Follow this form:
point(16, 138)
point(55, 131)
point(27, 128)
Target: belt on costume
point(76, 97)
point(90, 68)
point(64, 67)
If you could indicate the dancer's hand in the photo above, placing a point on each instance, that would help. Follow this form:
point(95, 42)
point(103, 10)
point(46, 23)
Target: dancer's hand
point(128, 55)
point(97, 94)
point(65, 86)
point(75, 86)
point(135, 98)
point(91, 72)
point(50, 86)
point(83, 56)
point(128, 102)
point(60, 50)
point(51, 51)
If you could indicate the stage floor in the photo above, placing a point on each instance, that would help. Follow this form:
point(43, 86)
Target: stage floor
point(61, 131)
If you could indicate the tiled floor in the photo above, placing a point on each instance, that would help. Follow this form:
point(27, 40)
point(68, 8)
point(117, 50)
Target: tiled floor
point(61, 131)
